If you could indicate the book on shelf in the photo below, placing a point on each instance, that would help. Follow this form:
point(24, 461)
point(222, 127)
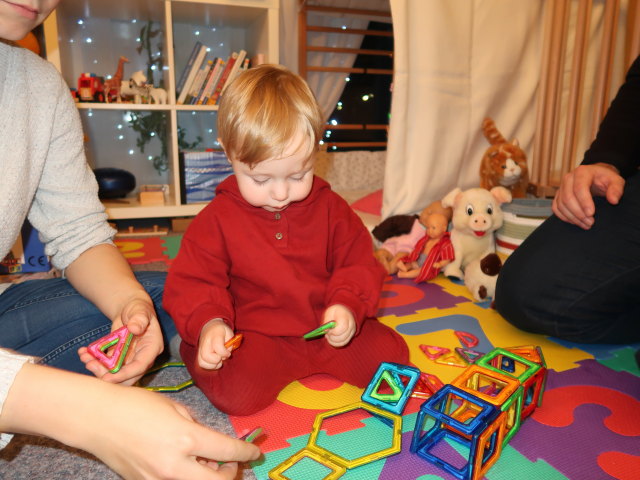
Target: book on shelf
point(234, 70)
point(257, 59)
point(211, 81)
point(198, 82)
point(213, 100)
point(193, 71)
point(200, 173)
point(187, 68)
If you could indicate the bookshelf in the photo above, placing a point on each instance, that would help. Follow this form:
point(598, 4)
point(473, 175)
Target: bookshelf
point(90, 36)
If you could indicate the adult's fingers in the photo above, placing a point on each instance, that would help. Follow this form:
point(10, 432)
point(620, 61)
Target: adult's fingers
point(569, 203)
point(615, 190)
point(217, 446)
point(582, 181)
point(565, 214)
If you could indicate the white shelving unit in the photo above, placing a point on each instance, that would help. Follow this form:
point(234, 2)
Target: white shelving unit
point(90, 36)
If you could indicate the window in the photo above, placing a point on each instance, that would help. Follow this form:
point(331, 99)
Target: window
point(360, 118)
point(365, 103)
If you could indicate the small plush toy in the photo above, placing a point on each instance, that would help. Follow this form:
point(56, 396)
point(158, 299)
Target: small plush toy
point(430, 254)
point(476, 216)
point(399, 236)
point(503, 163)
point(481, 275)
point(393, 226)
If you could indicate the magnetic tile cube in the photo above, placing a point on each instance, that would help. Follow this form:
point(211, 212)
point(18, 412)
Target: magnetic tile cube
point(500, 390)
point(533, 353)
point(531, 375)
point(454, 415)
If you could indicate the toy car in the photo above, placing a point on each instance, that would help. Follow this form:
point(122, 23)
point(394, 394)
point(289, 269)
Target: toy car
point(90, 88)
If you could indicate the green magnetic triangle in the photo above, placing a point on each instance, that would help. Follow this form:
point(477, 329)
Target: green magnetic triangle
point(387, 397)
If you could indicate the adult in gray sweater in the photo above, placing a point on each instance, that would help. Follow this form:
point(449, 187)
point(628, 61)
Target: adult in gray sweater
point(44, 177)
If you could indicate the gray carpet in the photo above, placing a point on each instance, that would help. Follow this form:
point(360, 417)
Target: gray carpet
point(33, 458)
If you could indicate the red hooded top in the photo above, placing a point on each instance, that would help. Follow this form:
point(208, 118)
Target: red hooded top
point(268, 272)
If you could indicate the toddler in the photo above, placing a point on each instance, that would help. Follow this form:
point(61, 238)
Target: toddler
point(273, 256)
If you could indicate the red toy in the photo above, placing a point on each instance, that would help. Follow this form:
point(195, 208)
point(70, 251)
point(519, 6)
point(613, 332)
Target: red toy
point(90, 88)
point(112, 349)
point(436, 248)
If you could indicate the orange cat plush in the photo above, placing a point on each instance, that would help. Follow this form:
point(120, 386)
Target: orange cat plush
point(504, 163)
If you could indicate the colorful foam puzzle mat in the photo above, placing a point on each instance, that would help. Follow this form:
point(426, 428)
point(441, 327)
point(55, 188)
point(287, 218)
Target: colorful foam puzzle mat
point(587, 428)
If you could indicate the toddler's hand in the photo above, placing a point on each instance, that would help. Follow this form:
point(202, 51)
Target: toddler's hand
point(345, 327)
point(211, 349)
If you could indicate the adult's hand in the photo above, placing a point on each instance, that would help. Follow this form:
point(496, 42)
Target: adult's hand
point(137, 433)
point(140, 318)
point(573, 202)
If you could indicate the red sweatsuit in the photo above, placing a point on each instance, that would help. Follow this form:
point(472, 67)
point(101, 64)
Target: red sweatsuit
point(270, 276)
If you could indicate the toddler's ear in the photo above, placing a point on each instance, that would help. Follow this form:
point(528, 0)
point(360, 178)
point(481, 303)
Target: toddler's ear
point(225, 150)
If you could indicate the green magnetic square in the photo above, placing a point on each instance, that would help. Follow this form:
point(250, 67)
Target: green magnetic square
point(517, 397)
point(485, 361)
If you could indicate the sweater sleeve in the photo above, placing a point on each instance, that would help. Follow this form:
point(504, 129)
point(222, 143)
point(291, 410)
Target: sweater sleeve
point(66, 210)
point(10, 365)
point(196, 289)
point(357, 277)
point(618, 140)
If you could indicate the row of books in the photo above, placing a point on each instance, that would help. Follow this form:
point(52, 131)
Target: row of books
point(200, 173)
point(203, 80)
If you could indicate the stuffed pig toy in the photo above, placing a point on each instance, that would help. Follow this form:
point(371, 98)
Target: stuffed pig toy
point(476, 216)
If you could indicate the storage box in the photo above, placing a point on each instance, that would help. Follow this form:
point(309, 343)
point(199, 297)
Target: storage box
point(521, 218)
point(27, 254)
point(152, 195)
point(201, 172)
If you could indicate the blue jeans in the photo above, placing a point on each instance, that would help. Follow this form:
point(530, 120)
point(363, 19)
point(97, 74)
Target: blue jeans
point(51, 320)
point(582, 286)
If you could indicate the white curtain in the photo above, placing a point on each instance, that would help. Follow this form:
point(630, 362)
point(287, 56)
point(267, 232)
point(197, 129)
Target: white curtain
point(327, 87)
point(457, 61)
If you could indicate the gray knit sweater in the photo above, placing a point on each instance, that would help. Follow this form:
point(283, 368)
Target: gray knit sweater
point(43, 170)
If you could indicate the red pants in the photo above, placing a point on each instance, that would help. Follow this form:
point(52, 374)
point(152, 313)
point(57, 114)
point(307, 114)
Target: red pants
point(257, 371)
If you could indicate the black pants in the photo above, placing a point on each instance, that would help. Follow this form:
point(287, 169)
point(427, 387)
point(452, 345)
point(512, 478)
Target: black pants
point(582, 286)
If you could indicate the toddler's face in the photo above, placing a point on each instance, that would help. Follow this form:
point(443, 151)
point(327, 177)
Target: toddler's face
point(19, 17)
point(275, 183)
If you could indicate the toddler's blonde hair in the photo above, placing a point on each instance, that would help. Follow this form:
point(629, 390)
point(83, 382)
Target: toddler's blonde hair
point(262, 110)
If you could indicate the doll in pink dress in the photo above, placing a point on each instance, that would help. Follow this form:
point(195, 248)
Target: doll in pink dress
point(397, 246)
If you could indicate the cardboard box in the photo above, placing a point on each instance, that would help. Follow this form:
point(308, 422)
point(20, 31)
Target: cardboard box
point(151, 195)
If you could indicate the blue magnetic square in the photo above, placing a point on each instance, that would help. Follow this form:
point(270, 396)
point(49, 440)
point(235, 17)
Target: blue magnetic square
point(436, 406)
point(476, 416)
